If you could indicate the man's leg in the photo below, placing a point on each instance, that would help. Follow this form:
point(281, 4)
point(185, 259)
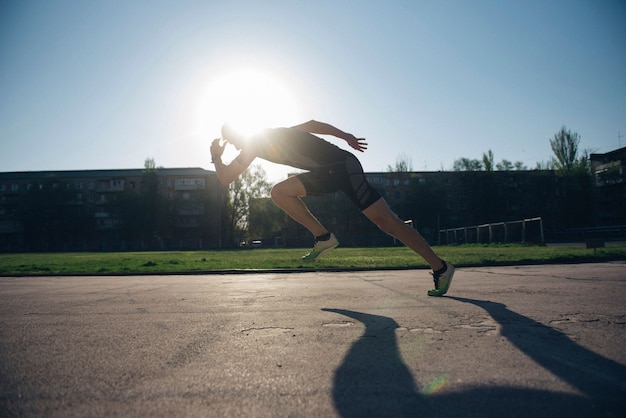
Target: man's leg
point(286, 195)
point(387, 221)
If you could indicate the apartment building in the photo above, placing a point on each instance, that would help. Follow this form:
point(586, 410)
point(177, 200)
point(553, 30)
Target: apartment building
point(609, 171)
point(134, 209)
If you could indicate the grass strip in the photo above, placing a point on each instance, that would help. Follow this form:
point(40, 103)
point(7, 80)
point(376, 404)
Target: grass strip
point(168, 262)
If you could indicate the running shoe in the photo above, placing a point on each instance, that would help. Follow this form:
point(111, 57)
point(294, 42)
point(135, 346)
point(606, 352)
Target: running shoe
point(442, 281)
point(320, 248)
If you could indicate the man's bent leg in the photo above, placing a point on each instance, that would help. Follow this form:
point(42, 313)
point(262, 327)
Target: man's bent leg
point(387, 221)
point(286, 195)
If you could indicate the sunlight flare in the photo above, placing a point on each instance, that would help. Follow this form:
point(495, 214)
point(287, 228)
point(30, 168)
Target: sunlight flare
point(249, 100)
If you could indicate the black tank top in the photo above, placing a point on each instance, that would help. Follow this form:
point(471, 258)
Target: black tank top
point(296, 148)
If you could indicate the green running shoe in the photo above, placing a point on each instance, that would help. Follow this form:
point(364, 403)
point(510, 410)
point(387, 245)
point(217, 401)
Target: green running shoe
point(320, 248)
point(442, 281)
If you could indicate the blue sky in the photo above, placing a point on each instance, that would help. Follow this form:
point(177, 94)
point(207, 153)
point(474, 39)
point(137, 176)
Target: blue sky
point(106, 84)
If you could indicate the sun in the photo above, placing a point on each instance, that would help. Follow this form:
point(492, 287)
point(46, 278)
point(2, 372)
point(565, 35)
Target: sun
point(249, 99)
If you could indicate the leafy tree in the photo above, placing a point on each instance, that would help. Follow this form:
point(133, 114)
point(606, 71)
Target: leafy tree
point(565, 147)
point(404, 164)
point(251, 184)
point(487, 164)
point(542, 165)
point(504, 165)
point(237, 205)
point(488, 160)
point(466, 164)
point(575, 179)
point(519, 166)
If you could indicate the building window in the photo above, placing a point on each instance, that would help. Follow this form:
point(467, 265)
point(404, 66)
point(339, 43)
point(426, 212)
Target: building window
point(190, 184)
point(117, 185)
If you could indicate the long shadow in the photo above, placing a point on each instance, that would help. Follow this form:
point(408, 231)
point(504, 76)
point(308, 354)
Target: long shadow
point(373, 380)
point(601, 380)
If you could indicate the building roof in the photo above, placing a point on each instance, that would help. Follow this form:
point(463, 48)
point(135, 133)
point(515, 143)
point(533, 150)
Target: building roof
point(132, 172)
point(619, 153)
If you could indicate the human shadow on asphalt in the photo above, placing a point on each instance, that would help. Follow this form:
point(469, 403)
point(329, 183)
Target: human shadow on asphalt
point(374, 381)
point(601, 380)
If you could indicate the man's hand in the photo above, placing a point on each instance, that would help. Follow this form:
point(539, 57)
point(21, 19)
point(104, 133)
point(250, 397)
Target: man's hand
point(323, 128)
point(216, 149)
point(358, 144)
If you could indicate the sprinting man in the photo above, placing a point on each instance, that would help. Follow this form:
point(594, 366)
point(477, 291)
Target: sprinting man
point(329, 169)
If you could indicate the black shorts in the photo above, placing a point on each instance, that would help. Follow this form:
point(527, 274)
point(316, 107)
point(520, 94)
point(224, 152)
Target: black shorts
point(346, 176)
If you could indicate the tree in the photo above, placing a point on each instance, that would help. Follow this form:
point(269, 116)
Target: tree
point(466, 164)
point(504, 165)
point(565, 147)
point(488, 160)
point(542, 165)
point(575, 179)
point(251, 184)
point(519, 166)
point(404, 164)
point(487, 164)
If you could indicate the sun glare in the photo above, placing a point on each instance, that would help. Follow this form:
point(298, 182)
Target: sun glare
point(249, 100)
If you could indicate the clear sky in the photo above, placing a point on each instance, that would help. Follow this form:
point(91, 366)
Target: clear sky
point(106, 84)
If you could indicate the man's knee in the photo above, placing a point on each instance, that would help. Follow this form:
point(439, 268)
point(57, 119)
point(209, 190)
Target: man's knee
point(277, 192)
point(291, 187)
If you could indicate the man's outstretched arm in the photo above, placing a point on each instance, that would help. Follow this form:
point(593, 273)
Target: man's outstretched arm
point(227, 173)
point(322, 128)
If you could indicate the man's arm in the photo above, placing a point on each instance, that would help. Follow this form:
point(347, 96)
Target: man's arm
point(321, 128)
point(227, 173)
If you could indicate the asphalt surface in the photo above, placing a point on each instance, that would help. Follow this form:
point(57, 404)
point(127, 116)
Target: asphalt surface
point(530, 341)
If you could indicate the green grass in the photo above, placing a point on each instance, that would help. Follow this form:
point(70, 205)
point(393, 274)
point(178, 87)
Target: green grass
point(276, 259)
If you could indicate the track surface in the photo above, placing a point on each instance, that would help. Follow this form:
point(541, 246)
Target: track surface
point(538, 341)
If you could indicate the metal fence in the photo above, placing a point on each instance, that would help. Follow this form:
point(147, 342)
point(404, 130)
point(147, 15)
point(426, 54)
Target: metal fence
point(522, 231)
